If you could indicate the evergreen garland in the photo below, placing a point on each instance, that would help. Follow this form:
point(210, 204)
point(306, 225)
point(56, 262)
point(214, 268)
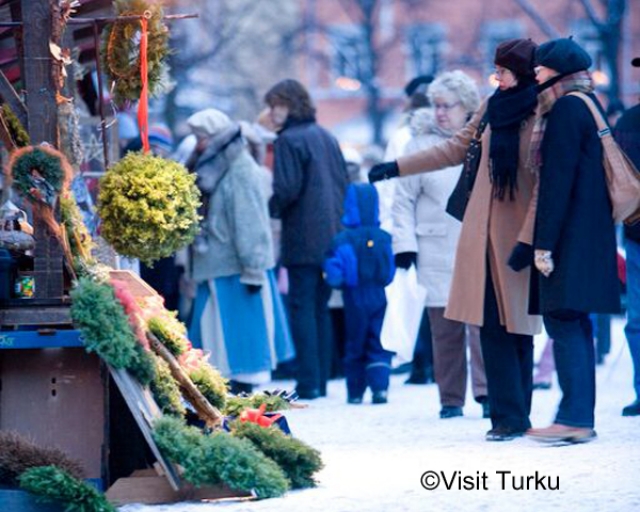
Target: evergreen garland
point(170, 331)
point(103, 323)
point(236, 404)
point(148, 206)
point(298, 460)
point(55, 485)
point(211, 384)
point(17, 132)
point(18, 454)
point(219, 457)
point(80, 240)
point(121, 50)
point(166, 391)
point(143, 367)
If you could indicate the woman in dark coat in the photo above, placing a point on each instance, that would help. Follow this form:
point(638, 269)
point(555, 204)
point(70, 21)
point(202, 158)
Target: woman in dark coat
point(574, 234)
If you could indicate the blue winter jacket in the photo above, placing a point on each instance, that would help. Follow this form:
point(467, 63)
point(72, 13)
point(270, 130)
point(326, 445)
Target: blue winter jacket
point(361, 255)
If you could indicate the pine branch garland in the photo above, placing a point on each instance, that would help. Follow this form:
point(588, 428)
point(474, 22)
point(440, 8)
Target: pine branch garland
point(55, 485)
point(236, 404)
point(166, 391)
point(298, 460)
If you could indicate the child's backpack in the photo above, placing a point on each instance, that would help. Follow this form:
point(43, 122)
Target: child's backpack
point(372, 247)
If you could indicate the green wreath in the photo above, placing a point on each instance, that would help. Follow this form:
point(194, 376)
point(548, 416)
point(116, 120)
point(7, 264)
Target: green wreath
point(38, 173)
point(121, 51)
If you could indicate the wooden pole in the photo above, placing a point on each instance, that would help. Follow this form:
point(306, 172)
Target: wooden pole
point(211, 415)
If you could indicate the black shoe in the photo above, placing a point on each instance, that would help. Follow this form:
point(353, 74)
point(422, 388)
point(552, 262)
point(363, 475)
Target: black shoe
point(484, 402)
point(503, 434)
point(236, 388)
point(354, 400)
point(542, 385)
point(308, 394)
point(450, 411)
point(632, 409)
point(379, 397)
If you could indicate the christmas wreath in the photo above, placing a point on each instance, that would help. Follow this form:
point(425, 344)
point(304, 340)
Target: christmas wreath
point(148, 206)
point(121, 50)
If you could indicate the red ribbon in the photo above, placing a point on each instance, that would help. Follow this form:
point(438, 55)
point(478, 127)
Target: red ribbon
point(257, 416)
point(143, 106)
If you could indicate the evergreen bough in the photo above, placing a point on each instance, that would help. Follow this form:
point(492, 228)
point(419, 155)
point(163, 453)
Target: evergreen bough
point(171, 333)
point(236, 404)
point(298, 460)
point(103, 323)
point(53, 484)
point(166, 391)
point(219, 457)
point(148, 206)
point(211, 384)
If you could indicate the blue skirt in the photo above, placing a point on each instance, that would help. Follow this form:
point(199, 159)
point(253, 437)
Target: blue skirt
point(246, 334)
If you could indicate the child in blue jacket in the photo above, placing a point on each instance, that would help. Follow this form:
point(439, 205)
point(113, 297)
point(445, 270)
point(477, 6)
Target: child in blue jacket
point(361, 264)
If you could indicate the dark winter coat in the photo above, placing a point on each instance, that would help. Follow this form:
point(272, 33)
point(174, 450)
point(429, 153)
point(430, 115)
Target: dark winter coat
point(361, 255)
point(627, 133)
point(310, 179)
point(573, 218)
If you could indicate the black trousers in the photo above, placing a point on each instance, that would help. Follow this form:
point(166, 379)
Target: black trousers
point(423, 350)
point(508, 362)
point(310, 327)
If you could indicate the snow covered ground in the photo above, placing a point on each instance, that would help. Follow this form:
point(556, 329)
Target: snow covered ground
point(375, 455)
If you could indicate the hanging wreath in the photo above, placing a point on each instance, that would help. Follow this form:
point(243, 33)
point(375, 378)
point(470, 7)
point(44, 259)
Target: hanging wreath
point(121, 50)
point(148, 207)
point(39, 173)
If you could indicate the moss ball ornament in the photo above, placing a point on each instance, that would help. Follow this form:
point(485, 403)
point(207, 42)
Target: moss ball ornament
point(148, 207)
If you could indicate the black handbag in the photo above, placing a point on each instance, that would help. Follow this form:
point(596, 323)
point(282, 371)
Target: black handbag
point(459, 198)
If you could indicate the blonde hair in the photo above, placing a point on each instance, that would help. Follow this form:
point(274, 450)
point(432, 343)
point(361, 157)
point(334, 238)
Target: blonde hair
point(458, 83)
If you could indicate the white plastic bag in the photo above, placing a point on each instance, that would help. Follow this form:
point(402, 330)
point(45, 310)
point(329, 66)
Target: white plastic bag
point(405, 304)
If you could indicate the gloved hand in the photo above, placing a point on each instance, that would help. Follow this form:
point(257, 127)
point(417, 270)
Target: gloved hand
point(384, 171)
point(544, 262)
point(406, 259)
point(253, 288)
point(521, 257)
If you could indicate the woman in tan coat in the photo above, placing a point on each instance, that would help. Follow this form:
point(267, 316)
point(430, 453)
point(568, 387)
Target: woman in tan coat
point(485, 290)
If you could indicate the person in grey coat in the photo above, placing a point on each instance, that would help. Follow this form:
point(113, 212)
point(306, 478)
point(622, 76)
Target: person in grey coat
point(309, 183)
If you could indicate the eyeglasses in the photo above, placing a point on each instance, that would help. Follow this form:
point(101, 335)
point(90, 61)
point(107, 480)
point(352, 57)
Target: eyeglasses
point(445, 106)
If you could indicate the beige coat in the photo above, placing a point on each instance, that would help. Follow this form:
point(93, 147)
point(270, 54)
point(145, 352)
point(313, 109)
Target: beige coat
point(490, 230)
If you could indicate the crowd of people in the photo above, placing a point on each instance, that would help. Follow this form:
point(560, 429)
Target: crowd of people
point(285, 220)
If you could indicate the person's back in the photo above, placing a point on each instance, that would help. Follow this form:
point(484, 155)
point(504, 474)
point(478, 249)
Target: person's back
point(361, 264)
point(309, 183)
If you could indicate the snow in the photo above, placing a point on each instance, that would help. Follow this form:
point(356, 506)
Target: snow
point(375, 455)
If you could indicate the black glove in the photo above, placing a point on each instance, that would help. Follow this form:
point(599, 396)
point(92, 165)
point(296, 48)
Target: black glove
point(521, 257)
point(384, 171)
point(253, 288)
point(406, 259)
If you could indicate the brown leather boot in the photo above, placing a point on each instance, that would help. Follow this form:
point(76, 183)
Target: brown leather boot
point(558, 433)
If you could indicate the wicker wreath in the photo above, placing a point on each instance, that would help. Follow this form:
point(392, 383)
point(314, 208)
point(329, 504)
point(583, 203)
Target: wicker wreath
point(121, 50)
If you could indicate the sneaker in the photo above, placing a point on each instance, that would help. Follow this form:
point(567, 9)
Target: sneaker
point(379, 397)
point(503, 434)
point(632, 409)
point(450, 411)
point(558, 433)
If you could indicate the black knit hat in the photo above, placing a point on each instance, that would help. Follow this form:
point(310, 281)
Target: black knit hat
point(418, 84)
point(517, 55)
point(636, 62)
point(563, 55)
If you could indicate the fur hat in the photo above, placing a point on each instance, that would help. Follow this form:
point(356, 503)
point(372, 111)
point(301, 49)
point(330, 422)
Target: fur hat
point(208, 123)
point(563, 55)
point(517, 55)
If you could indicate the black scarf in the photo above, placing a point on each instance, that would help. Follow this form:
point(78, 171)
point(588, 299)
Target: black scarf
point(506, 110)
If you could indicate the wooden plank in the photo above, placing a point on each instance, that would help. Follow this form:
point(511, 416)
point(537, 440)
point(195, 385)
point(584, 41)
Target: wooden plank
point(11, 97)
point(143, 487)
point(56, 398)
point(144, 410)
point(24, 340)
